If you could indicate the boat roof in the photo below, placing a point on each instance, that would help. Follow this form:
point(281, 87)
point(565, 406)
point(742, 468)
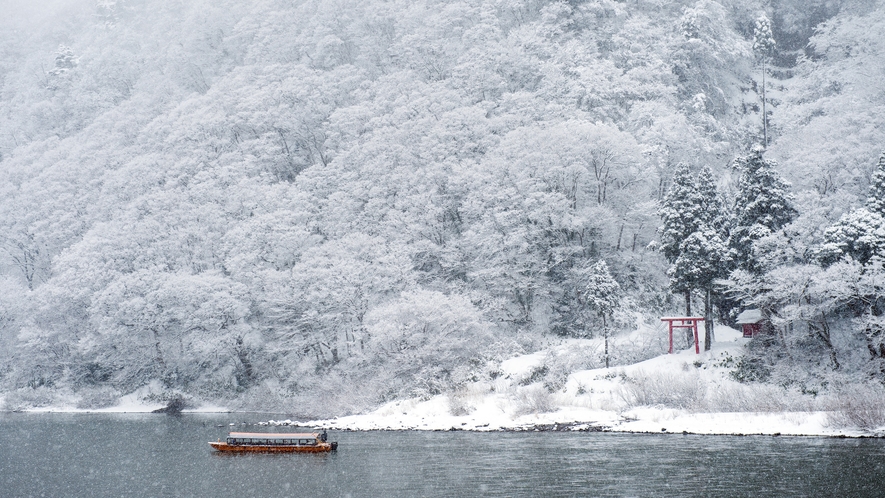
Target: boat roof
point(274, 435)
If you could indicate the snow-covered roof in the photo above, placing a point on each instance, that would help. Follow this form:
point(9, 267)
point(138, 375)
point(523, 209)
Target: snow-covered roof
point(749, 316)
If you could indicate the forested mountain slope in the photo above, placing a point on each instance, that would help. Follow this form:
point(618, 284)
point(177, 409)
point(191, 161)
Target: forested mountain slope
point(260, 201)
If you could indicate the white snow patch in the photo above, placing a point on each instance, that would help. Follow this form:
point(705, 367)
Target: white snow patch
point(131, 403)
point(521, 366)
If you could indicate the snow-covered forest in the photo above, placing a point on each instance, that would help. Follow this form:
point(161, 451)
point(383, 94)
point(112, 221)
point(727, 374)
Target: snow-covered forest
point(330, 204)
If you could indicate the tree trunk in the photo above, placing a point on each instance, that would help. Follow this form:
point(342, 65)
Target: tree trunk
point(708, 321)
point(159, 359)
point(605, 336)
point(687, 303)
point(823, 332)
point(244, 376)
point(764, 115)
point(689, 334)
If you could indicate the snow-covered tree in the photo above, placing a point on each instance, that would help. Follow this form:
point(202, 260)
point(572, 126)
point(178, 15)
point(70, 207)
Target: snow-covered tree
point(602, 295)
point(859, 234)
point(763, 39)
point(424, 343)
point(692, 211)
point(762, 206)
point(704, 259)
point(876, 199)
point(714, 214)
point(831, 112)
point(820, 309)
point(681, 212)
point(763, 47)
point(65, 60)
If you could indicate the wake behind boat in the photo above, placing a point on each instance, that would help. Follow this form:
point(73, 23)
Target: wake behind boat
point(267, 442)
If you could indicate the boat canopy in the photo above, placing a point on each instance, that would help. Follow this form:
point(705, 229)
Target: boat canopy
point(273, 435)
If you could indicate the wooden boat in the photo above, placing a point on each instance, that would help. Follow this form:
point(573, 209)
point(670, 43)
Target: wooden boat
point(269, 442)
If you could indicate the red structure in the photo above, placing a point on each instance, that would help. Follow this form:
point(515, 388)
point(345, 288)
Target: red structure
point(690, 322)
point(750, 322)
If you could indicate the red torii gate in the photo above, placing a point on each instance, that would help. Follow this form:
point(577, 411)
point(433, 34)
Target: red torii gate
point(690, 322)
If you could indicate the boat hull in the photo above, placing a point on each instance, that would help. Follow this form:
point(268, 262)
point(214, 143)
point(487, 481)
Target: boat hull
point(267, 448)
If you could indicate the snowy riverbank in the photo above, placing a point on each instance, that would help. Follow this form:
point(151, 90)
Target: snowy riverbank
point(679, 393)
point(634, 398)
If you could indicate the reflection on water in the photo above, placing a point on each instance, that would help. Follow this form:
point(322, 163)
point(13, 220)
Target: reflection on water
point(157, 455)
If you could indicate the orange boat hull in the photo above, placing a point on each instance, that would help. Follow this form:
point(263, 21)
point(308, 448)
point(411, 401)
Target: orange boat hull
point(263, 448)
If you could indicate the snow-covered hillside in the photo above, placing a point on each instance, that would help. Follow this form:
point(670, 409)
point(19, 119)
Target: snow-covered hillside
point(328, 206)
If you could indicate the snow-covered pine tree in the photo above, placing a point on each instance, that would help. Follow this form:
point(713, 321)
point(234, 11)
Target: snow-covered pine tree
point(689, 25)
point(65, 60)
point(712, 208)
point(876, 200)
point(704, 258)
point(762, 207)
point(691, 205)
point(681, 215)
point(602, 294)
point(681, 212)
point(763, 47)
point(859, 234)
point(717, 218)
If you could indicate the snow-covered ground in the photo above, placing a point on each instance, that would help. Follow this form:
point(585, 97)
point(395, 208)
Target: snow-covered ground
point(614, 399)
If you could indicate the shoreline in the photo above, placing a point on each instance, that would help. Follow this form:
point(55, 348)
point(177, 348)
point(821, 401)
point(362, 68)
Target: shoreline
point(574, 426)
point(679, 393)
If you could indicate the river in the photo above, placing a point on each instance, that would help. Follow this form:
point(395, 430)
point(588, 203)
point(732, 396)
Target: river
point(66, 455)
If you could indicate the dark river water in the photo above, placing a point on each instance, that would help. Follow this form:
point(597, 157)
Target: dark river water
point(62, 455)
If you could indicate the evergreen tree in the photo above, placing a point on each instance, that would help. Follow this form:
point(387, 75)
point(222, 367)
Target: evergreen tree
point(704, 258)
point(691, 206)
point(762, 207)
point(712, 210)
point(717, 219)
point(65, 60)
point(602, 294)
point(859, 234)
point(876, 200)
point(763, 47)
point(682, 212)
point(689, 25)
